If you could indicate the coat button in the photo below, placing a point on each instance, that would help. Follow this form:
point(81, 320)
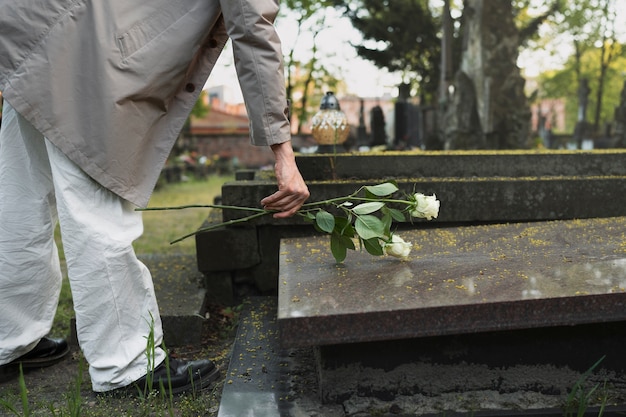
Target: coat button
point(212, 43)
point(190, 88)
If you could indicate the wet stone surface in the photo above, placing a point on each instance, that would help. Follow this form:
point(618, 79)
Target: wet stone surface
point(265, 380)
point(457, 280)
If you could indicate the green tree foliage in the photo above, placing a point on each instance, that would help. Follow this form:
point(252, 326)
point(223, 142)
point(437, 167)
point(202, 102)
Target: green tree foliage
point(201, 108)
point(404, 35)
point(302, 11)
point(563, 83)
point(400, 35)
point(528, 23)
point(589, 26)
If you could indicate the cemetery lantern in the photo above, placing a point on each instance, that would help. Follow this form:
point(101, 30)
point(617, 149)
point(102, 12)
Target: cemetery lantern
point(330, 125)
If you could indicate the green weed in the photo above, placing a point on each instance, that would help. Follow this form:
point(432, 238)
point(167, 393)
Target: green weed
point(580, 397)
point(7, 405)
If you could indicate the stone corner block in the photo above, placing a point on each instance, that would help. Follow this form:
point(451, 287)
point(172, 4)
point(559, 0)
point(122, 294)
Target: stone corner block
point(227, 248)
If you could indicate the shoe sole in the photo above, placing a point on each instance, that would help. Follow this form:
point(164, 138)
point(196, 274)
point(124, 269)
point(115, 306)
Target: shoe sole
point(44, 362)
point(200, 384)
point(11, 370)
point(134, 390)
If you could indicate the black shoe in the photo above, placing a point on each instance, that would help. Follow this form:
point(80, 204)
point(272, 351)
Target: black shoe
point(184, 376)
point(47, 352)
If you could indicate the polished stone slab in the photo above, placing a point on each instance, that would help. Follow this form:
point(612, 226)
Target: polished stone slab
point(263, 379)
point(253, 381)
point(457, 280)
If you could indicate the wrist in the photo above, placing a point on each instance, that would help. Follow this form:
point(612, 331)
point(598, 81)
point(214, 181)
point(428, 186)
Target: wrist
point(282, 150)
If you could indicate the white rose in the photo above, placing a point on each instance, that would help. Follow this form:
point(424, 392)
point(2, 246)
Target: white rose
point(426, 206)
point(397, 247)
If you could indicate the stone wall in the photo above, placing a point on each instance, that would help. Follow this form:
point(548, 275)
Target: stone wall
point(239, 147)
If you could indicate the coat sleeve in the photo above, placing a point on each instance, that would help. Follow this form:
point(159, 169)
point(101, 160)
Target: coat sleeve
point(259, 65)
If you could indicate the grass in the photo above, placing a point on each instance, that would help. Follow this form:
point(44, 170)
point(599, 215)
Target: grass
point(162, 227)
point(581, 396)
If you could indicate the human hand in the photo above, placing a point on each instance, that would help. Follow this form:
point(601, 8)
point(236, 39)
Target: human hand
point(292, 190)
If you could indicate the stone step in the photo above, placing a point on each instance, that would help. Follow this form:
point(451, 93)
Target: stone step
point(457, 280)
point(180, 293)
point(253, 384)
point(266, 380)
point(502, 185)
point(465, 164)
point(525, 373)
point(488, 199)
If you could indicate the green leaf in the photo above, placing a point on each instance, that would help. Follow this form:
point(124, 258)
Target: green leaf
point(373, 247)
point(369, 207)
point(325, 221)
point(382, 190)
point(387, 221)
point(397, 215)
point(338, 248)
point(344, 227)
point(347, 242)
point(368, 227)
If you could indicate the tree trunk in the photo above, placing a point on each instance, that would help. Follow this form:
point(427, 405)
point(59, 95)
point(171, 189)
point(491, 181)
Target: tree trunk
point(489, 62)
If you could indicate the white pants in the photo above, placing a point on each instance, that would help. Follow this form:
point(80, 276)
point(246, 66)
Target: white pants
point(112, 290)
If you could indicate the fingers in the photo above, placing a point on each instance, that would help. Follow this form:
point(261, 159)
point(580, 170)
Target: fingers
point(292, 190)
point(286, 201)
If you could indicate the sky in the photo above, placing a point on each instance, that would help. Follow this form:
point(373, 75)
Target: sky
point(361, 77)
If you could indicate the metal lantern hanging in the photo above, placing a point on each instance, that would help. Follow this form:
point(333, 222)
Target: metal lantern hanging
point(330, 125)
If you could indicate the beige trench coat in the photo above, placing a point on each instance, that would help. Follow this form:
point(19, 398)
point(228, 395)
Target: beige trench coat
point(111, 82)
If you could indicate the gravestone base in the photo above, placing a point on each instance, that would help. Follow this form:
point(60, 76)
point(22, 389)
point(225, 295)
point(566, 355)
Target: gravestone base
point(476, 312)
point(240, 262)
point(534, 363)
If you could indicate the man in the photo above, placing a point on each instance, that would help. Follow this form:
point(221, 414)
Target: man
point(95, 95)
